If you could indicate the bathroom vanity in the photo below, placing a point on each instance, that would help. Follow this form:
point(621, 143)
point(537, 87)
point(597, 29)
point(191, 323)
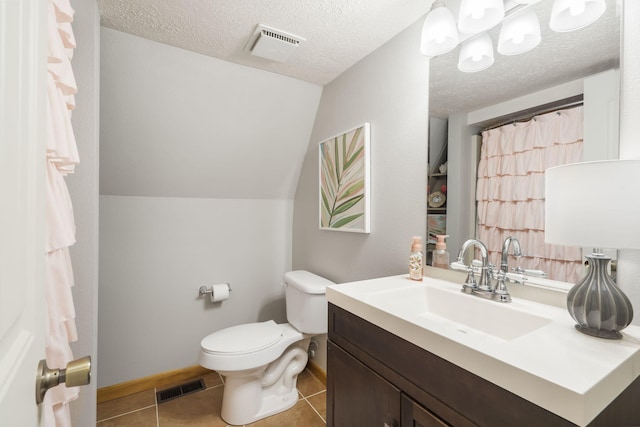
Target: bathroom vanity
point(405, 353)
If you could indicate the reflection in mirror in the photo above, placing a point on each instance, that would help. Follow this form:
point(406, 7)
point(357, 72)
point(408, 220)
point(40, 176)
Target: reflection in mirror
point(571, 65)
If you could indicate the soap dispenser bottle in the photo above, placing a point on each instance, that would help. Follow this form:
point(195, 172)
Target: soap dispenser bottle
point(416, 262)
point(440, 255)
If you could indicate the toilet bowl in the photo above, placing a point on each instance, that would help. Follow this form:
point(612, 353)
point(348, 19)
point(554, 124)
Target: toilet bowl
point(261, 361)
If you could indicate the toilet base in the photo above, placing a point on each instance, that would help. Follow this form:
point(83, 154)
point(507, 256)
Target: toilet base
point(258, 393)
point(271, 405)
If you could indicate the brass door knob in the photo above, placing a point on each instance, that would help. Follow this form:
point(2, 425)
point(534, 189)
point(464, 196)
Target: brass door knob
point(78, 372)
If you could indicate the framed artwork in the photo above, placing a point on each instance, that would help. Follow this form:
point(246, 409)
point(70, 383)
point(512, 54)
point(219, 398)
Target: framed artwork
point(344, 181)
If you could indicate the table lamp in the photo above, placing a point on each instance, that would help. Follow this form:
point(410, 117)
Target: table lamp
point(595, 204)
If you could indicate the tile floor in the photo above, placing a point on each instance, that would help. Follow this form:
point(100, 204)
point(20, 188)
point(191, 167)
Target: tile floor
point(202, 408)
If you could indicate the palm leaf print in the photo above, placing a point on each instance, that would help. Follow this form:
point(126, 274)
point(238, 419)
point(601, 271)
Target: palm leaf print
point(342, 179)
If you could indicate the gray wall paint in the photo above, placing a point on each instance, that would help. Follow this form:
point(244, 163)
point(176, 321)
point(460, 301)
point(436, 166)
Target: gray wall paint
point(389, 89)
point(180, 124)
point(154, 255)
point(83, 187)
point(199, 162)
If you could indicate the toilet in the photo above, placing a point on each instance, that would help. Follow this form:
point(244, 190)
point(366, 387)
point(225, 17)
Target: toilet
point(261, 361)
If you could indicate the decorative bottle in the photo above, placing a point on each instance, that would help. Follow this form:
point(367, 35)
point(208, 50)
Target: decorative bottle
point(416, 261)
point(440, 255)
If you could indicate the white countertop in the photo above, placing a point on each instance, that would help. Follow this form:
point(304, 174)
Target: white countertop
point(556, 367)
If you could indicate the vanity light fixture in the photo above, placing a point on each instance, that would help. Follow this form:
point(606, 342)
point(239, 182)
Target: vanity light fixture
point(476, 54)
point(569, 15)
point(519, 33)
point(520, 30)
point(595, 204)
point(439, 32)
point(476, 16)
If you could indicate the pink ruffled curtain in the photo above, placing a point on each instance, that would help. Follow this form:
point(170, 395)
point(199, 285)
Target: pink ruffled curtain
point(62, 156)
point(510, 190)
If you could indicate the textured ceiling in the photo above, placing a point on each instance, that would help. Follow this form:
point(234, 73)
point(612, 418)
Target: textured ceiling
point(339, 33)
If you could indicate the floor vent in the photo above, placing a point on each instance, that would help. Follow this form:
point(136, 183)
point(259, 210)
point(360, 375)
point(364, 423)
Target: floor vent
point(180, 390)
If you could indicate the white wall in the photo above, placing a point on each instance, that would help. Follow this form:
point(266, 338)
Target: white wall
point(83, 187)
point(629, 260)
point(389, 89)
point(438, 131)
point(154, 255)
point(199, 159)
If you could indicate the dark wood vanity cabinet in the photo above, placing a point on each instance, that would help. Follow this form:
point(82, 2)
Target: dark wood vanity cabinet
point(372, 400)
point(377, 379)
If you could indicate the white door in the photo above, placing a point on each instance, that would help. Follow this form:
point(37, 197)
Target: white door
point(22, 195)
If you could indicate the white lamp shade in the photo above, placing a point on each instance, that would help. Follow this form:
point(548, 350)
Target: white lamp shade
point(476, 16)
point(476, 54)
point(593, 204)
point(569, 15)
point(439, 32)
point(519, 34)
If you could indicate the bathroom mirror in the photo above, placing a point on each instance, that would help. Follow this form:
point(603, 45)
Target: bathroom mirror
point(558, 59)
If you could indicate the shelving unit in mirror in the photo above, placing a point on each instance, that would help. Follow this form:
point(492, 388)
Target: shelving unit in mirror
point(436, 202)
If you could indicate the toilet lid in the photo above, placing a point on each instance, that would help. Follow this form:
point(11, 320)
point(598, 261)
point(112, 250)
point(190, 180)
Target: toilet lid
point(241, 339)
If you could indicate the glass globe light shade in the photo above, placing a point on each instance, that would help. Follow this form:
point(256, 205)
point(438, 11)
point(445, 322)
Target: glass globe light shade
point(519, 34)
point(476, 16)
point(569, 15)
point(476, 54)
point(439, 32)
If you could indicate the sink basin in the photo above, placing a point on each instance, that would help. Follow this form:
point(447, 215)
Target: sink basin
point(450, 308)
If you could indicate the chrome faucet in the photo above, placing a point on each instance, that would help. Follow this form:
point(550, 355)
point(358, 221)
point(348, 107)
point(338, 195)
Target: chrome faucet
point(501, 293)
point(483, 287)
point(504, 265)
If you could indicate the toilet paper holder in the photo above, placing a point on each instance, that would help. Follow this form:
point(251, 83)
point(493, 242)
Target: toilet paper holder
point(204, 290)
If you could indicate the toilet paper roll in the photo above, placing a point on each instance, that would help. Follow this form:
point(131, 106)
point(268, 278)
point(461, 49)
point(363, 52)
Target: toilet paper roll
point(219, 292)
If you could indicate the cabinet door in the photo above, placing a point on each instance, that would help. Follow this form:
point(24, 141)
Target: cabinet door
point(357, 396)
point(414, 415)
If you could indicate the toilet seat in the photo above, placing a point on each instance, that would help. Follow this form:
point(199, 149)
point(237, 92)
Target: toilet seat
point(232, 349)
point(243, 339)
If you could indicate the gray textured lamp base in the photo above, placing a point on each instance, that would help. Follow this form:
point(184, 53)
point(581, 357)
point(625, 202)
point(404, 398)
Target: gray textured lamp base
point(598, 306)
point(599, 333)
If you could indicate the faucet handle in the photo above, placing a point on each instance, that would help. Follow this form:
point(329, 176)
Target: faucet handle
point(470, 283)
point(538, 273)
point(457, 265)
point(491, 270)
point(500, 293)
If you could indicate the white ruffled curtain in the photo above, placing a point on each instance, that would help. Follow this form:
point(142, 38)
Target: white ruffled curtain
point(62, 156)
point(510, 190)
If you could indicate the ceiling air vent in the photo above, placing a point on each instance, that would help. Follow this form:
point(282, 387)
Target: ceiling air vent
point(272, 44)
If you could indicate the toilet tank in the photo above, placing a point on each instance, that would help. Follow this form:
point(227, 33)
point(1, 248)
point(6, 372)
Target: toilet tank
point(306, 301)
